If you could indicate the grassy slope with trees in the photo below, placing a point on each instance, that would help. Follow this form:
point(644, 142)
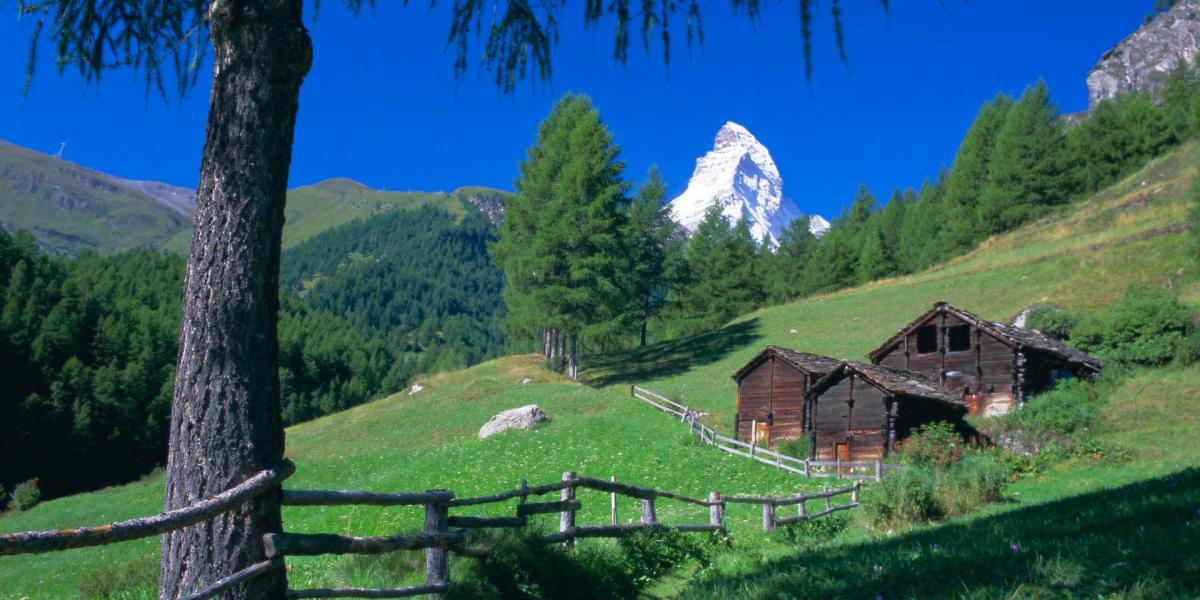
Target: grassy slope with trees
point(1082, 256)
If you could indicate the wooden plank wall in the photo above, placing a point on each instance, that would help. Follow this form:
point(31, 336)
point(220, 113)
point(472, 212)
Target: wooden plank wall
point(850, 411)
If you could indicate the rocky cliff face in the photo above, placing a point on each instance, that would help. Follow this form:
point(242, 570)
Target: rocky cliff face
point(1142, 60)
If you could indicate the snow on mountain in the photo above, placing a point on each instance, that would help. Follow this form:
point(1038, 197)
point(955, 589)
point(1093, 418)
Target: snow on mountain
point(740, 173)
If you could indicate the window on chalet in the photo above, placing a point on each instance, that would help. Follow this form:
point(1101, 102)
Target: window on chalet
point(927, 342)
point(958, 338)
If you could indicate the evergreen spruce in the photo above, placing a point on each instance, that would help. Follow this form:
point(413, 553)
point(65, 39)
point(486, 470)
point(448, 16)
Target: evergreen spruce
point(785, 268)
point(1028, 171)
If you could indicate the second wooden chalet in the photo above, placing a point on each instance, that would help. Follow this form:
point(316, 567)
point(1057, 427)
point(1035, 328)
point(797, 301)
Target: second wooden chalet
point(989, 366)
point(863, 412)
point(770, 396)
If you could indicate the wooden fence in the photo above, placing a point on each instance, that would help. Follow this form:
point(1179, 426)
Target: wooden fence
point(802, 466)
point(441, 535)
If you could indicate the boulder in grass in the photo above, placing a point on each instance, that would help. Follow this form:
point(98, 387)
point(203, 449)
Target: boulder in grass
point(525, 417)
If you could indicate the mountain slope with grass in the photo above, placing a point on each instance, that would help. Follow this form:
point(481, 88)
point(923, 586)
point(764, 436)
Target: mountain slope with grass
point(1084, 526)
point(70, 208)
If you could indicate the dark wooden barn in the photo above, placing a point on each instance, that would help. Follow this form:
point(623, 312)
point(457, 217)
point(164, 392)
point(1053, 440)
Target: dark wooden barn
point(770, 396)
point(990, 366)
point(861, 412)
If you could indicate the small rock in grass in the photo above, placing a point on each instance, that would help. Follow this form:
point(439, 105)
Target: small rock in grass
point(415, 388)
point(525, 417)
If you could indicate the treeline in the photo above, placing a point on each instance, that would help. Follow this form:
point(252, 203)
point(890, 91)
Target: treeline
point(420, 280)
point(88, 349)
point(586, 262)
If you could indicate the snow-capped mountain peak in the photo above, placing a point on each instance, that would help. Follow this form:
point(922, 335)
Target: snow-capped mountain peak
point(740, 174)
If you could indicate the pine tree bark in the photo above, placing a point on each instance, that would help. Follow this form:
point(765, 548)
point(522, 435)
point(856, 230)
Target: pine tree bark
point(226, 422)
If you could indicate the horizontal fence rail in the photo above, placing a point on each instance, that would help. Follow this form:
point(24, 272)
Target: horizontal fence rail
point(31, 542)
point(35, 542)
point(441, 534)
point(801, 466)
point(444, 534)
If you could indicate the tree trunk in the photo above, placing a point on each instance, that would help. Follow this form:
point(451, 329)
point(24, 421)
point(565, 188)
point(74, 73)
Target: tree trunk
point(643, 341)
point(573, 365)
point(225, 413)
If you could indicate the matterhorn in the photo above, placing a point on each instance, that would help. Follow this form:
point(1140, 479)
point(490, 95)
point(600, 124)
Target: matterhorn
point(740, 174)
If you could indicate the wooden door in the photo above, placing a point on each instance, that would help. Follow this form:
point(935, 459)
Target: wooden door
point(762, 435)
point(842, 454)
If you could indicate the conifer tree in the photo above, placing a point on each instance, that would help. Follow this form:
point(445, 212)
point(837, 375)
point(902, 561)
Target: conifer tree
point(785, 268)
point(562, 245)
point(1028, 170)
point(922, 223)
point(874, 259)
point(721, 276)
point(652, 238)
point(968, 176)
point(891, 223)
point(1119, 137)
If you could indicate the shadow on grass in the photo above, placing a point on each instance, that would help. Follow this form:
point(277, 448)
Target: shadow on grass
point(1136, 541)
point(671, 357)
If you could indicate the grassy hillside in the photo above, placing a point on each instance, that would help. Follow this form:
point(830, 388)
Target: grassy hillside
point(1084, 528)
point(312, 209)
point(1083, 258)
point(70, 208)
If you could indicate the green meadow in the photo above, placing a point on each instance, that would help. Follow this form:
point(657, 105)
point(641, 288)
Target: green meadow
point(1125, 527)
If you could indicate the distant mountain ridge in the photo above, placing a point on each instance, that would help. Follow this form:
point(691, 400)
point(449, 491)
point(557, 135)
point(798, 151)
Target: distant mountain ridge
point(740, 174)
point(70, 208)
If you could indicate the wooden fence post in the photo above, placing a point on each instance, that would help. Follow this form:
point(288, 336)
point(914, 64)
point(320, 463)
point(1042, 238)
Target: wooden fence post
point(769, 515)
point(878, 471)
point(826, 490)
point(839, 467)
point(566, 519)
point(854, 493)
point(807, 473)
point(715, 509)
point(753, 436)
point(686, 412)
point(437, 563)
point(612, 501)
point(800, 510)
point(648, 516)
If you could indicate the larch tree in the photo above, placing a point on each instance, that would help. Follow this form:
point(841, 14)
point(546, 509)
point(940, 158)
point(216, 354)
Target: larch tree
point(968, 177)
point(1028, 168)
point(563, 250)
point(652, 236)
point(226, 420)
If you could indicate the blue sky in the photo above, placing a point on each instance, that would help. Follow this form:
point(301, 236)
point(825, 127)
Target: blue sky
point(381, 104)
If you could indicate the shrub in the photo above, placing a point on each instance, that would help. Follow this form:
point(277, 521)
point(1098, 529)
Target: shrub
point(901, 500)
point(652, 553)
point(815, 531)
point(1147, 327)
point(934, 443)
point(798, 447)
point(1071, 407)
point(977, 480)
point(26, 495)
point(3, 498)
point(1052, 320)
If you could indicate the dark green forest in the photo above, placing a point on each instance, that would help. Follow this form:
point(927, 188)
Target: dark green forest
point(88, 349)
point(419, 280)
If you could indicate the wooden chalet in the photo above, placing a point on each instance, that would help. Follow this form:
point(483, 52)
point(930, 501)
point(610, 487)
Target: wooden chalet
point(861, 412)
point(989, 366)
point(770, 396)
